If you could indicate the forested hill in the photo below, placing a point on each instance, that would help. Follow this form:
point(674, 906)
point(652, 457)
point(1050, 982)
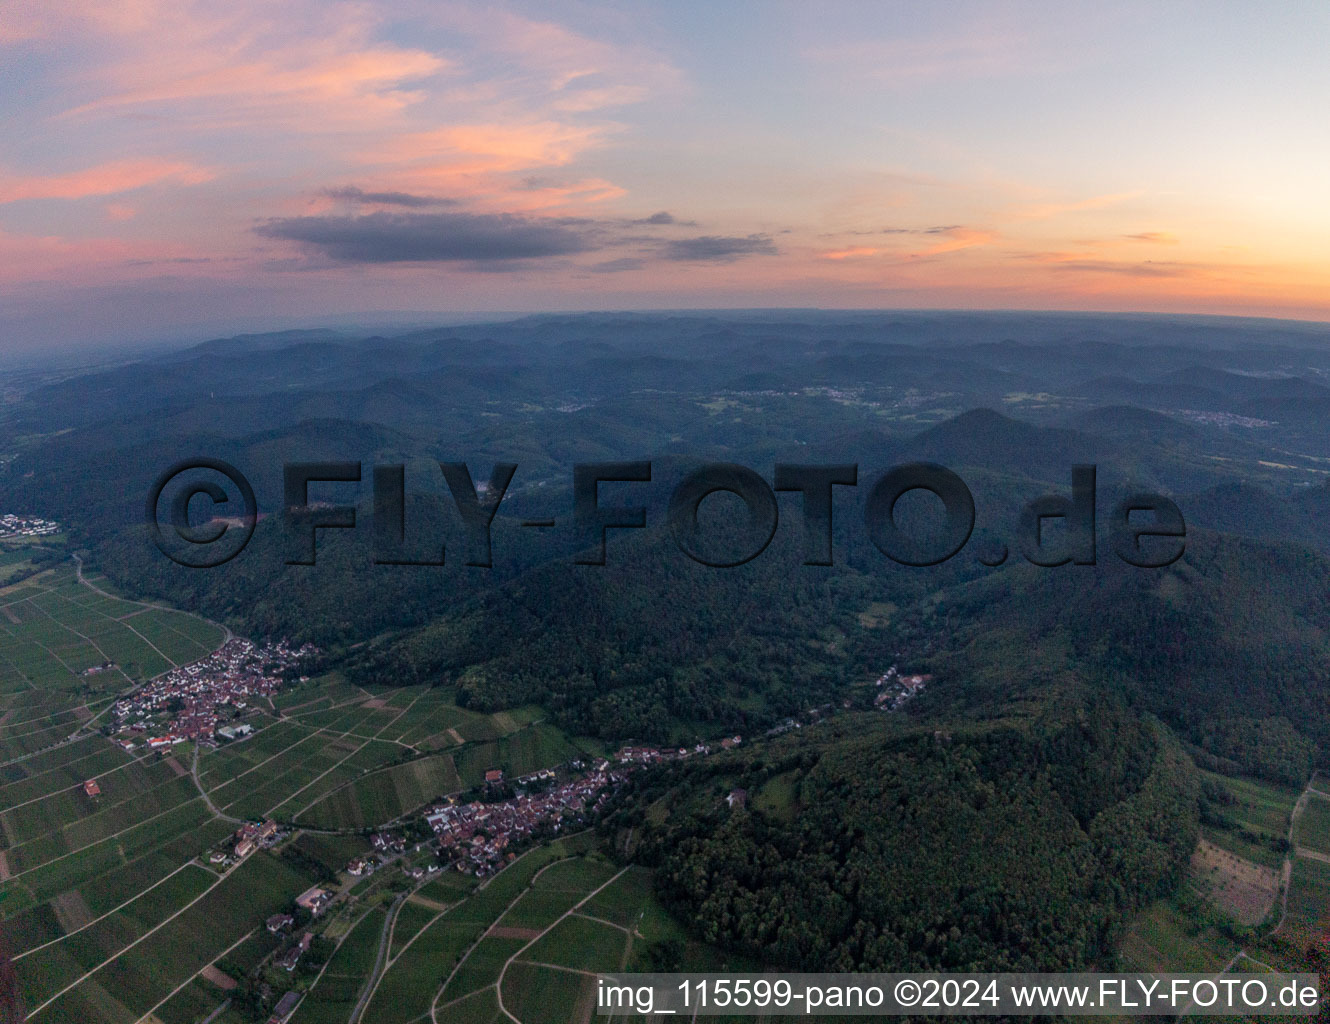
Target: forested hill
point(1021, 846)
point(1229, 645)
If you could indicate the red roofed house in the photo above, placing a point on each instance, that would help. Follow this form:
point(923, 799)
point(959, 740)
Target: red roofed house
point(91, 788)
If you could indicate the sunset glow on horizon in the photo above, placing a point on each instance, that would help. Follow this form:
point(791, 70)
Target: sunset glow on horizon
point(185, 166)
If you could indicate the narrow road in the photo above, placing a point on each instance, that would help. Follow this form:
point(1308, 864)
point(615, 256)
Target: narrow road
point(147, 604)
point(372, 982)
point(498, 985)
point(194, 771)
point(150, 1015)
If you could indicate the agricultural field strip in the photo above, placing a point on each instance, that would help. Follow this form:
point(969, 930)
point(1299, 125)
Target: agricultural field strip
point(316, 731)
point(119, 953)
point(11, 737)
point(114, 910)
point(339, 764)
point(381, 962)
point(436, 1005)
point(1286, 875)
point(280, 753)
point(28, 584)
point(48, 650)
point(386, 940)
point(207, 797)
point(110, 618)
point(323, 970)
point(98, 842)
point(19, 672)
point(89, 639)
point(164, 783)
point(165, 623)
point(174, 992)
point(45, 750)
point(47, 796)
point(43, 739)
point(498, 984)
point(607, 924)
point(288, 713)
point(392, 927)
point(87, 706)
point(558, 967)
point(226, 632)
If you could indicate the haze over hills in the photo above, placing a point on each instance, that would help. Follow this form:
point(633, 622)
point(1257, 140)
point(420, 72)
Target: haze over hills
point(1074, 731)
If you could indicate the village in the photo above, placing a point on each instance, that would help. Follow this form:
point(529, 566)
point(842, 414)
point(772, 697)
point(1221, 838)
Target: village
point(475, 838)
point(197, 701)
point(896, 689)
point(479, 837)
point(12, 525)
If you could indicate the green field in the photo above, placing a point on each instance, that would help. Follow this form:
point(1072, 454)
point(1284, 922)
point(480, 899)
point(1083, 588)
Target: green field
point(1309, 896)
point(1313, 830)
point(134, 980)
point(1260, 815)
point(333, 997)
point(191, 1004)
point(111, 909)
point(541, 995)
point(385, 795)
point(527, 750)
point(581, 944)
point(623, 902)
point(1163, 938)
point(411, 920)
point(54, 629)
point(46, 970)
point(412, 982)
point(533, 931)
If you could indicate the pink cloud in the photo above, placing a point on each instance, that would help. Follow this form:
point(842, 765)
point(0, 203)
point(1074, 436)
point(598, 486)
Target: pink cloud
point(475, 148)
point(572, 72)
point(957, 238)
point(1154, 237)
point(102, 180)
point(850, 253)
point(300, 65)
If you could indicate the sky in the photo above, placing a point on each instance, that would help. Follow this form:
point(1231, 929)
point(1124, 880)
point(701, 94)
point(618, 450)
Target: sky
point(175, 168)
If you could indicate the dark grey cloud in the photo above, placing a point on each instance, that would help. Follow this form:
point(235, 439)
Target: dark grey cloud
point(718, 248)
point(664, 217)
point(1149, 268)
point(619, 265)
point(350, 193)
point(429, 237)
point(941, 229)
